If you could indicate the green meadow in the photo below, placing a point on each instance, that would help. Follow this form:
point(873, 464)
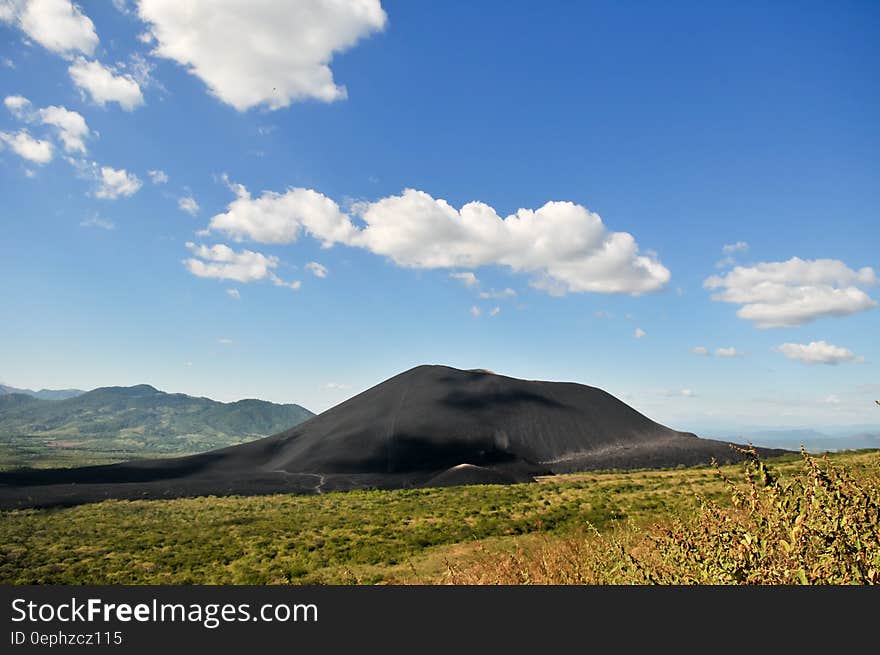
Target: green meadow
point(476, 534)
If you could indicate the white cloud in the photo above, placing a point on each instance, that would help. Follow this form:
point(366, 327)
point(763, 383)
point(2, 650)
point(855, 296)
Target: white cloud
point(7, 62)
point(503, 294)
point(261, 52)
point(495, 311)
point(280, 218)
point(475, 311)
point(316, 269)
point(104, 85)
point(687, 393)
point(189, 205)
point(739, 246)
point(335, 386)
point(223, 263)
point(730, 250)
point(278, 282)
point(158, 177)
point(19, 106)
point(563, 245)
point(225, 341)
point(57, 25)
point(467, 278)
point(27, 147)
point(113, 183)
point(727, 352)
point(70, 125)
point(97, 221)
point(639, 333)
point(791, 293)
point(832, 400)
point(603, 314)
point(233, 293)
point(700, 350)
point(818, 352)
point(141, 70)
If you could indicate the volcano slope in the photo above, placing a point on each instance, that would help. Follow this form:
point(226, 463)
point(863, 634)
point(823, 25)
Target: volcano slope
point(429, 426)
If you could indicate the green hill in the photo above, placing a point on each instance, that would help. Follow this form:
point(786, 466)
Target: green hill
point(43, 394)
point(114, 424)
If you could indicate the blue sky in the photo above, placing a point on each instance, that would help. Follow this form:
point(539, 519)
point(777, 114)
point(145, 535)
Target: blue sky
point(712, 174)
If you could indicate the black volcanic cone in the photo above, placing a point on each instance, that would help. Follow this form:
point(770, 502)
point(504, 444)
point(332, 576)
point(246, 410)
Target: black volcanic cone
point(414, 429)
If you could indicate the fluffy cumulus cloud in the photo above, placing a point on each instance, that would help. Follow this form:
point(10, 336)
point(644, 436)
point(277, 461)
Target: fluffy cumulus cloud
point(282, 217)
point(639, 333)
point(818, 352)
point(234, 294)
point(188, 204)
point(114, 183)
point(791, 293)
point(316, 269)
point(110, 183)
point(261, 52)
point(700, 350)
point(564, 246)
point(19, 106)
point(70, 126)
point(57, 25)
point(103, 84)
point(727, 352)
point(27, 147)
point(223, 263)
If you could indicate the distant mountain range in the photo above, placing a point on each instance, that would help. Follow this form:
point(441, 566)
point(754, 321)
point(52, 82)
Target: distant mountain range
point(121, 423)
point(814, 441)
point(43, 394)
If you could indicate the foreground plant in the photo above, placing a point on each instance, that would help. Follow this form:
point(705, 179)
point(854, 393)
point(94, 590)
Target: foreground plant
point(820, 526)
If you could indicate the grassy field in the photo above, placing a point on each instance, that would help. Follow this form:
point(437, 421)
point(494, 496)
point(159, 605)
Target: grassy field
point(425, 536)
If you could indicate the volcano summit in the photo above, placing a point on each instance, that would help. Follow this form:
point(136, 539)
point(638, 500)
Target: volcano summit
point(429, 426)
